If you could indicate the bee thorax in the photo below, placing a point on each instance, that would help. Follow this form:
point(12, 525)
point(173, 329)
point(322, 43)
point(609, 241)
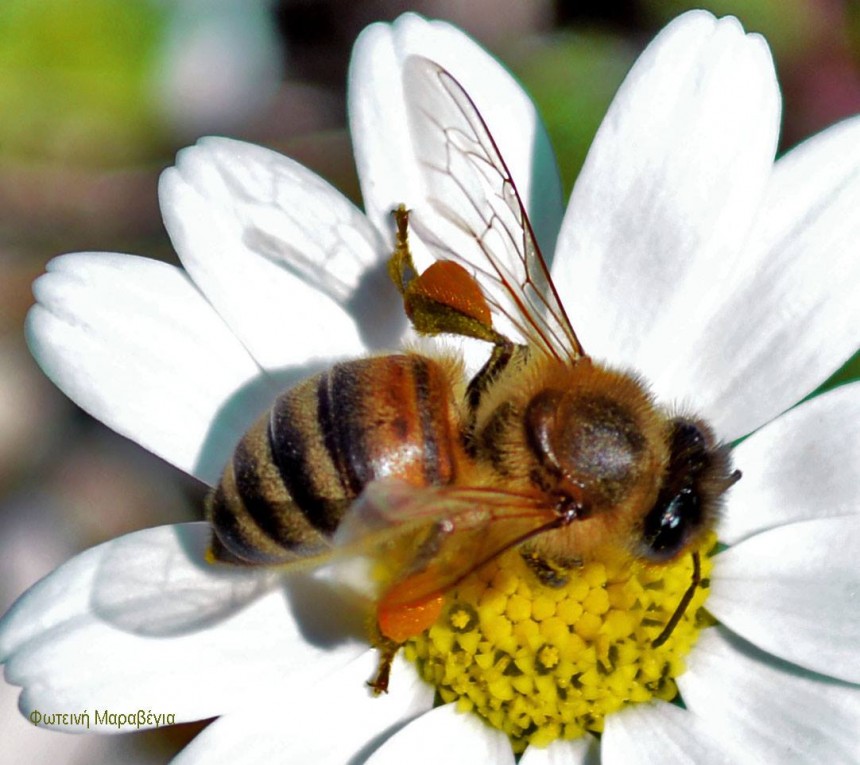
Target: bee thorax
point(590, 443)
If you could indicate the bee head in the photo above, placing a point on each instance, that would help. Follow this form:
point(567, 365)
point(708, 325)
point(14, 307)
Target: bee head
point(698, 473)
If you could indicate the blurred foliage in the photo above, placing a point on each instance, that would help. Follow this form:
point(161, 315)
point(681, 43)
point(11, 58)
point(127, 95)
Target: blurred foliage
point(790, 26)
point(74, 79)
point(852, 28)
point(572, 77)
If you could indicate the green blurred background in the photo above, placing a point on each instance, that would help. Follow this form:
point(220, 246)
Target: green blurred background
point(96, 96)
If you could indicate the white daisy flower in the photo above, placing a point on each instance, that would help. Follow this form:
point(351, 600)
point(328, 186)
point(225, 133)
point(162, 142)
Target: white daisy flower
point(729, 281)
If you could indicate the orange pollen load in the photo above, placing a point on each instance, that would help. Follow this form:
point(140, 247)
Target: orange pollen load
point(449, 284)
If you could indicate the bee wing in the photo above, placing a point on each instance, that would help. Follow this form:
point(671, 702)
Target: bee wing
point(433, 537)
point(484, 224)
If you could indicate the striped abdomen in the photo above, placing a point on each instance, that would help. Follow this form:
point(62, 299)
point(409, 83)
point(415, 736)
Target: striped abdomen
point(295, 472)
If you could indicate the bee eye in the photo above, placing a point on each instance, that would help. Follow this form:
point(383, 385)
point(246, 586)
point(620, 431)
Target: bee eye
point(680, 509)
point(668, 525)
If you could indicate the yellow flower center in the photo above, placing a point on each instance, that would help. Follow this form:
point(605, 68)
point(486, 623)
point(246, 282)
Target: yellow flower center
point(542, 663)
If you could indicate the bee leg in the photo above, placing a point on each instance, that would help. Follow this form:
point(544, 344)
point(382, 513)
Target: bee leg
point(445, 298)
point(387, 651)
point(401, 268)
point(502, 355)
point(549, 573)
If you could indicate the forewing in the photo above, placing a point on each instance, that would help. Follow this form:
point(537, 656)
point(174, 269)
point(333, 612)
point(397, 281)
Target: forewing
point(431, 538)
point(482, 223)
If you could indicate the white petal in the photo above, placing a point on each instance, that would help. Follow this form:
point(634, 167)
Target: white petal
point(792, 312)
point(582, 751)
point(135, 344)
point(327, 723)
point(803, 465)
point(33, 744)
point(769, 710)
point(445, 735)
point(380, 131)
point(794, 591)
point(144, 622)
point(274, 248)
point(660, 732)
point(668, 192)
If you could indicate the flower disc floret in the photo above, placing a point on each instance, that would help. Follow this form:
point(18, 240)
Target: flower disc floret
point(542, 663)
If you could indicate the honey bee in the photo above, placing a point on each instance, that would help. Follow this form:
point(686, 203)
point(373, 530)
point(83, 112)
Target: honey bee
point(399, 456)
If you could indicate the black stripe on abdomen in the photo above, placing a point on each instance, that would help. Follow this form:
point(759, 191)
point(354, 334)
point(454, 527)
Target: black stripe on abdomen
point(424, 406)
point(340, 397)
point(264, 503)
point(303, 459)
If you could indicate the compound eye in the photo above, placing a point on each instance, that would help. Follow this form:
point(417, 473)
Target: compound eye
point(670, 523)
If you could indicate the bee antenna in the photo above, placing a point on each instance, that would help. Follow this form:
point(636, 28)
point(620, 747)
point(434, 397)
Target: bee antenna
point(684, 602)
